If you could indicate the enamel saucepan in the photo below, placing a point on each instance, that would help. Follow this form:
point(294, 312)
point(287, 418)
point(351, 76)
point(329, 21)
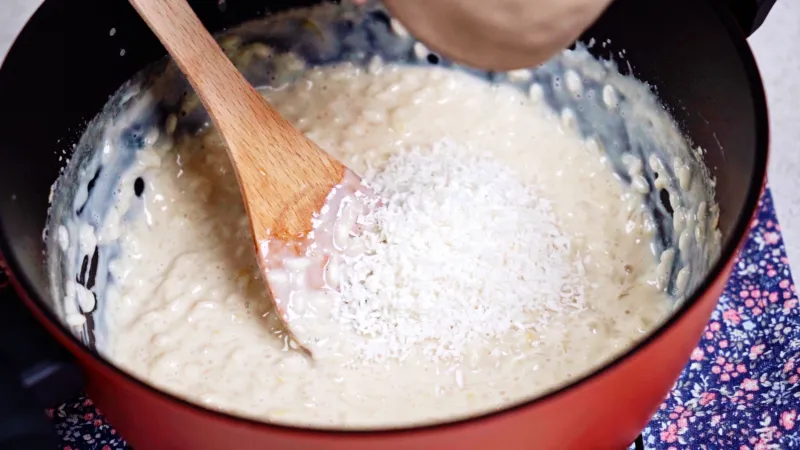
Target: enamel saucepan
point(67, 62)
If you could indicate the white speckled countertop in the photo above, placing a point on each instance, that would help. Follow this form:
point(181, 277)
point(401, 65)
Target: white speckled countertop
point(777, 48)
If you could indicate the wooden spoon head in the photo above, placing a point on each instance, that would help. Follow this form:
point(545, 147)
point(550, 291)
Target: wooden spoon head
point(285, 182)
point(295, 264)
point(282, 206)
point(283, 175)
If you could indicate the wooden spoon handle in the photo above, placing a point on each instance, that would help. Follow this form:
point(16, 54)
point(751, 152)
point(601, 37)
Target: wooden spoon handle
point(227, 96)
point(278, 168)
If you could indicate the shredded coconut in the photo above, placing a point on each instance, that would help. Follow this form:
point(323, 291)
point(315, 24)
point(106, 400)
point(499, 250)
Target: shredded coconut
point(457, 250)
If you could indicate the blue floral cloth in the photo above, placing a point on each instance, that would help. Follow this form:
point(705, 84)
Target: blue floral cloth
point(740, 390)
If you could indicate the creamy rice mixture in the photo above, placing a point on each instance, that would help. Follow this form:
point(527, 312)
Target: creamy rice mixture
point(193, 314)
point(575, 278)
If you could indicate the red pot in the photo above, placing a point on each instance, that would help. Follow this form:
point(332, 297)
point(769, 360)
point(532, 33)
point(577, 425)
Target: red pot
point(694, 53)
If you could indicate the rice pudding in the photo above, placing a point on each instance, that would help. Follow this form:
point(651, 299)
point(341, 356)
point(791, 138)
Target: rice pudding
point(511, 258)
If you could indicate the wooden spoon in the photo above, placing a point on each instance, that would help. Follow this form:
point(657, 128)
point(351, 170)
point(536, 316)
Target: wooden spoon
point(284, 177)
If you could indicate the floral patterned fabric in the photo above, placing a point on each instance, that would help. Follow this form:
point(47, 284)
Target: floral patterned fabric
point(740, 389)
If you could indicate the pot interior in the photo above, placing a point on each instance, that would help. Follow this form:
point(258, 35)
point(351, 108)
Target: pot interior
point(59, 76)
